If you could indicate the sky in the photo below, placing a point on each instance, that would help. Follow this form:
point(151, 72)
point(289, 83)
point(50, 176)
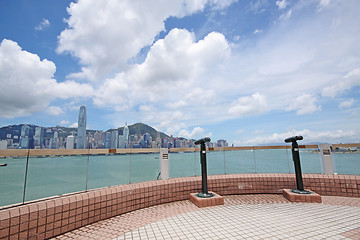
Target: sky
point(251, 72)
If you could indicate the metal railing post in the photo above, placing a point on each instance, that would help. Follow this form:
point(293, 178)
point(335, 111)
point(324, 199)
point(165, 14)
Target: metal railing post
point(26, 172)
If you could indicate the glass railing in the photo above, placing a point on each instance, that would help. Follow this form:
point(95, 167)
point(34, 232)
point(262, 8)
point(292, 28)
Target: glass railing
point(27, 175)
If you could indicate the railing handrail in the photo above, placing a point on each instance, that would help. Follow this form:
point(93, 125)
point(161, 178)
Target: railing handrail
point(62, 152)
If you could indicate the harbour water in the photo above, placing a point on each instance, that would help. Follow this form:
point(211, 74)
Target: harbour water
point(53, 176)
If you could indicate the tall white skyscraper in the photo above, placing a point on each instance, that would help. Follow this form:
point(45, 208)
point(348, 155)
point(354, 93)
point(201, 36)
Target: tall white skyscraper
point(81, 132)
point(126, 135)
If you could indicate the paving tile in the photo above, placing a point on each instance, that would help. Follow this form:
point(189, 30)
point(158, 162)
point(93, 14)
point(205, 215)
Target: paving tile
point(262, 216)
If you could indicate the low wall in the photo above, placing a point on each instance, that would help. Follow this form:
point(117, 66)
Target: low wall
point(50, 217)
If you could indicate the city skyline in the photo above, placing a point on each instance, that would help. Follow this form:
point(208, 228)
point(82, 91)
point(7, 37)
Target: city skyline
point(252, 72)
point(36, 137)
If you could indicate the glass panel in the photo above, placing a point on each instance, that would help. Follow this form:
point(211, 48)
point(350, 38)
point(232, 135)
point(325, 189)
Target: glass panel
point(144, 167)
point(239, 162)
point(347, 163)
point(310, 160)
point(108, 170)
point(271, 161)
point(184, 164)
point(215, 162)
point(50, 176)
point(12, 180)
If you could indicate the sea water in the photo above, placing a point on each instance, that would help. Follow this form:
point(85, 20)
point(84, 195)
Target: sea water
point(51, 176)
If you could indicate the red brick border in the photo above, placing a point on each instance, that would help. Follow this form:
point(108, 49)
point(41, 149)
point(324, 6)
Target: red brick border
point(206, 202)
point(51, 217)
point(295, 197)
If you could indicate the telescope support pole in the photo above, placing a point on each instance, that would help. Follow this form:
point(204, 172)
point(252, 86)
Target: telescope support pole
point(204, 188)
point(296, 159)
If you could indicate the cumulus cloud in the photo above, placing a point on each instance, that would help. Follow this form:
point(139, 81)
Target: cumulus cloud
point(54, 110)
point(197, 132)
point(45, 23)
point(27, 82)
point(250, 105)
point(335, 136)
point(304, 104)
point(93, 34)
point(178, 59)
point(347, 104)
point(171, 68)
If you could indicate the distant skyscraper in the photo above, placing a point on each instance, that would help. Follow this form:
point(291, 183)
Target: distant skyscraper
point(70, 142)
point(81, 132)
point(24, 138)
point(38, 137)
point(126, 135)
point(114, 139)
point(107, 139)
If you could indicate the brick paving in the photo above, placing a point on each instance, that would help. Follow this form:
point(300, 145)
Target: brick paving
point(274, 217)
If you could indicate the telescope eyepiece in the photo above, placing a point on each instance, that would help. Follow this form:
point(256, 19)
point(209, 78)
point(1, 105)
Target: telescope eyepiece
point(203, 140)
point(293, 139)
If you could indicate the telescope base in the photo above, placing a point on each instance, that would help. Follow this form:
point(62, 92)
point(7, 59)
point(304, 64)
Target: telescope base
point(302, 196)
point(200, 202)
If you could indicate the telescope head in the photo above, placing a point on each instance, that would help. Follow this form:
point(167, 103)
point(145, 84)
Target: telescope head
point(293, 139)
point(203, 140)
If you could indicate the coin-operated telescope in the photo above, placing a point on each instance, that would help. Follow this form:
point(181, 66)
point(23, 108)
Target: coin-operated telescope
point(296, 159)
point(204, 191)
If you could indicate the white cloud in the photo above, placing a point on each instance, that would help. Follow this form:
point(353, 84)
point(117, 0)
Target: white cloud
point(347, 104)
point(197, 132)
point(286, 15)
point(254, 104)
point(45, 23)
point(74, 125)
point(335, 136)
point(54, 110)
point(104, 35)
point(349, 81)
point(304, 104)
point(113, 91)
point(27, 82)
point(64, 122)
point(323, 4)
point(257, 31)
point(174, 66)
point(281, 4)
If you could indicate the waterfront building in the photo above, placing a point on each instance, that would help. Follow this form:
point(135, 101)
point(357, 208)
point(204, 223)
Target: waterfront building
point(70, 141)
point(107, 139)
point(126, 136)
point(39, 137)
point(3, 144)
point(81, 133)
point(114, 139)
point(147, 140)
point(24, 137)
point(222, 143)
point(121, 141)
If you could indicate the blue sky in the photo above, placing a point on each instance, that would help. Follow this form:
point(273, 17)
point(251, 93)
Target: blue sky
point(252, 72)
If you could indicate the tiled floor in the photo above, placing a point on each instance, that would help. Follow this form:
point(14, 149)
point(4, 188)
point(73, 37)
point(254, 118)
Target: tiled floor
point(242, 217)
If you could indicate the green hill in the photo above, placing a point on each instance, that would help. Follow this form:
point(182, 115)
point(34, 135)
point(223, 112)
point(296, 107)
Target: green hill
point(141, 129)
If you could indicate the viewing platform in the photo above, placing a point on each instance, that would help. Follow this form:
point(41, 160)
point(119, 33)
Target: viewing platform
point(119, 194)
point(57, 216)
